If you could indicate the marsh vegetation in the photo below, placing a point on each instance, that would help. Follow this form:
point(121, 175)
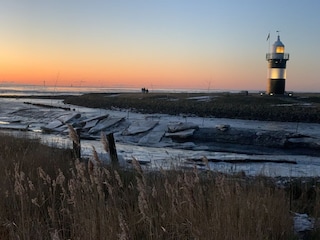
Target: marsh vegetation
point(48, 194)
point(300, 108)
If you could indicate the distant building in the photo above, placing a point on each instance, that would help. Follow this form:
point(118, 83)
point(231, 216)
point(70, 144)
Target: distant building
point(277, 61)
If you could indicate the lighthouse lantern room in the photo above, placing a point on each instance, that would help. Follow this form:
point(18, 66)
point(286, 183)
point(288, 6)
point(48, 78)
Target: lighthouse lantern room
point(277, 61)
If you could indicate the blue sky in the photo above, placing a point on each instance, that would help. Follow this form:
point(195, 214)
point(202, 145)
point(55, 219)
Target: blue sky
point(163, 44)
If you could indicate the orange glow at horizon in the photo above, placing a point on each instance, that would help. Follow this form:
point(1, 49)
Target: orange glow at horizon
point(69, 67)
point(126, 74)
point(33, 72)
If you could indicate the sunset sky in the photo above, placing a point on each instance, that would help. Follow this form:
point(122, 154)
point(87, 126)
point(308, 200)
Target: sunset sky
point(157, 44)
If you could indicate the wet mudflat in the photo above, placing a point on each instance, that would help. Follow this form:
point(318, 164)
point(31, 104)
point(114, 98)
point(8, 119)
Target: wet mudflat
point(255, 147)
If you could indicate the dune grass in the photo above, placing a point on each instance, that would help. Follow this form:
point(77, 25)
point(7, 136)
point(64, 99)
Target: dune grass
point(47, 194)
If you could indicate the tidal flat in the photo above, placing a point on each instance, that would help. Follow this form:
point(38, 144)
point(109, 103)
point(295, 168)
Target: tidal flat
point(143, 123)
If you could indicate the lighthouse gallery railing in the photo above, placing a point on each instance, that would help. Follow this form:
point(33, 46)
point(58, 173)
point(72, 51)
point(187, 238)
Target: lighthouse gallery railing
point(284, 56)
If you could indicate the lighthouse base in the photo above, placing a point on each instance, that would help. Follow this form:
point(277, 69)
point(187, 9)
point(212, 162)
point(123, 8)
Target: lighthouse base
point(276, 86)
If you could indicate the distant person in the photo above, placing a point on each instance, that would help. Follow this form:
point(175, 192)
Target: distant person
point(144, 90)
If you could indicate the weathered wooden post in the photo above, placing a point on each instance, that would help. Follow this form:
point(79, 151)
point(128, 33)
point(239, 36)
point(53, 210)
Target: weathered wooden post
point(112, 150)
point(75, 137)
point(77, 145)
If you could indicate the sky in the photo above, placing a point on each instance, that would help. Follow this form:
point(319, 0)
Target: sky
point(157, 44)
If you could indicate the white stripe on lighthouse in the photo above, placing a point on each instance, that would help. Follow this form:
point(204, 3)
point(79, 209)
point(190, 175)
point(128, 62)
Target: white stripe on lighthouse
point(277, 73)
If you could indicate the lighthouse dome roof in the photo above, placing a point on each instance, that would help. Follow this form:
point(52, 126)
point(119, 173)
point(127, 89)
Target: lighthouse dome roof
point(278, 43)
point(278, 46)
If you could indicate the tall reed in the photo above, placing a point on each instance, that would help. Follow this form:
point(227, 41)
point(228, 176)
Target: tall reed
point(47, 194)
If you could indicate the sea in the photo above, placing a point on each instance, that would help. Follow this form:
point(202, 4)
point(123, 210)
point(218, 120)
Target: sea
point(36, 90)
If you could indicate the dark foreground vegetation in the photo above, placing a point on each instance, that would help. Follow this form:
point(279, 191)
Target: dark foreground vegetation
point(47, 194)
point(300, 108)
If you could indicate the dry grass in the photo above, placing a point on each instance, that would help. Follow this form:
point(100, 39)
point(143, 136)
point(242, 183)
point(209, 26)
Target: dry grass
point(49, 195)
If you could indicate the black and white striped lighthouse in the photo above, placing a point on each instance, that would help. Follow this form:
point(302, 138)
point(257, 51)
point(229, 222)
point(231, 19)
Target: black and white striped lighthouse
point(277, 61)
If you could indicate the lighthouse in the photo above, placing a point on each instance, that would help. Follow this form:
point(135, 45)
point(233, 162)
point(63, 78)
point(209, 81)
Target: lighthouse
point(277, 61)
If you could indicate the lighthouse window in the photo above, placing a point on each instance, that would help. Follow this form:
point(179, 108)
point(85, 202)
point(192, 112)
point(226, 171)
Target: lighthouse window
point(280, 49)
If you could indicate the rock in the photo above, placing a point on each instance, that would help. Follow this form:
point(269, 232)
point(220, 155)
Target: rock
point(104, 124)
point(90, 124)
point(181, 135)
point(154, 136)
point(223, 127)
point(180, 126)
point(51, 127)
point(14, 126)
point(99, 117)
point(139, 127)
point(307, 142)
point(302, 224)
point(68, 118)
